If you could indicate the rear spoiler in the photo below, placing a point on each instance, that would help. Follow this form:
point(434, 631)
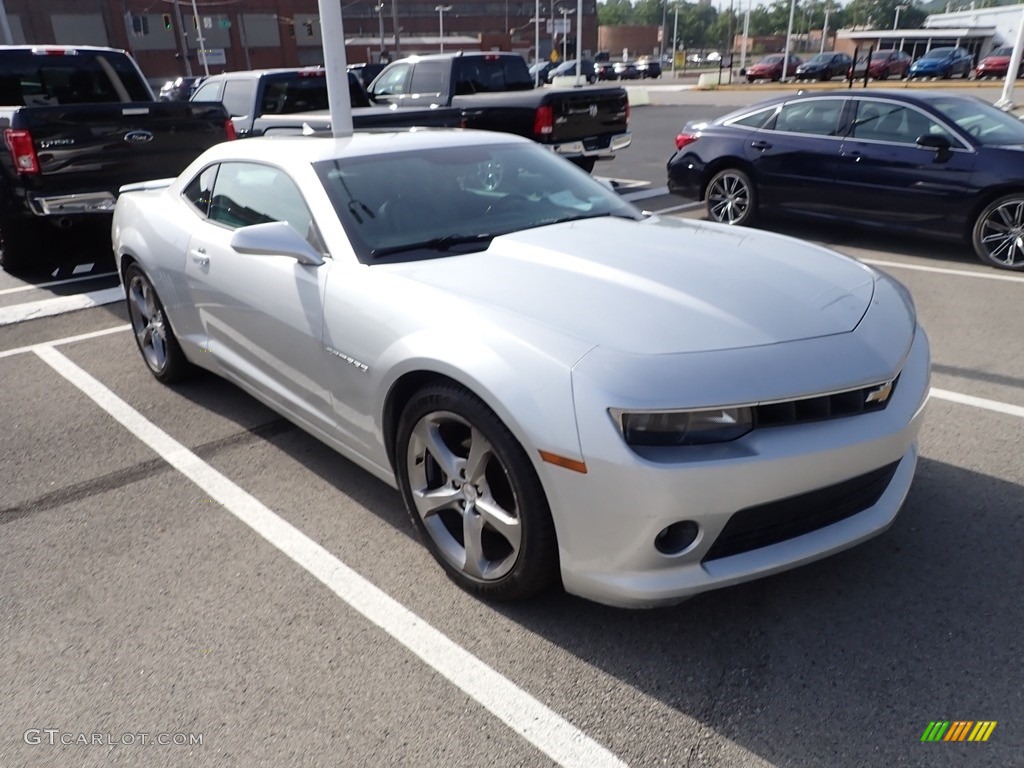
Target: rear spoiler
point(142, 186)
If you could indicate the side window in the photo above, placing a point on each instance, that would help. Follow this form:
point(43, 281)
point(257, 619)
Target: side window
point(814, 116)
point(892, 122)
point(428, 77)
point(756, 120)
point(392, 82)
point(238, 97)
point(250, 193)
point(208, 92)
point(199, 192)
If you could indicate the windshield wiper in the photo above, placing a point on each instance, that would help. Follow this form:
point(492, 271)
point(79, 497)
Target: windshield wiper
point(581, 216)
point(445, 243)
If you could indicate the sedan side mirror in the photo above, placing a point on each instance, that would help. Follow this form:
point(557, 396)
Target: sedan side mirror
point(275, 238)
point(938, 143)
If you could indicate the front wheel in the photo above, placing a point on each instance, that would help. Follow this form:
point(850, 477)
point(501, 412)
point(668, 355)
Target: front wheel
point(153, 334)
point(474, 496)
point(883, 75)
point(998, 236)
point(731, 197)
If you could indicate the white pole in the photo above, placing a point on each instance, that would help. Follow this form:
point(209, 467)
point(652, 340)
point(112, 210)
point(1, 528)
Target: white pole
point(5, 25)
point(746, 37)
point(675, 36)
point(536, 43)
point(1006, 100)
point(789, 36)
point(579, 41)
point(824, 29)
point(332, 31)
point(440, 22)
point(200, 40)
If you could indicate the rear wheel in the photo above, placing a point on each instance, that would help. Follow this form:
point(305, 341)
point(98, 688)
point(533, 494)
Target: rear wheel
point(998, 236)
point(20, 245)
point(731, 197)
point(153, 334)
point(586, 163)
point(473, 495)
point(883, 75)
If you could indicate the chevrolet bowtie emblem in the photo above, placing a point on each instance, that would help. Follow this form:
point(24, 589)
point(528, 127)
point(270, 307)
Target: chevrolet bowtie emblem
point(879, 394)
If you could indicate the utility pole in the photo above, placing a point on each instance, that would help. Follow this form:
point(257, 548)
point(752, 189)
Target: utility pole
point(200, 40)
point(181, 39)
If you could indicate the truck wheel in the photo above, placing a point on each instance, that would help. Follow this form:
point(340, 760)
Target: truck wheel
point(586, 163)
point(20, 245)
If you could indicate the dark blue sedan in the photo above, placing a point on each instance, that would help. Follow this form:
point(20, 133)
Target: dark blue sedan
point(943, 62)
point(931, 163)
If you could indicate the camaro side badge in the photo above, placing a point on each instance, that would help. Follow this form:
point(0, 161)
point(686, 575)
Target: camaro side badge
point(138, 137)
point(879, 394)
point(350, 360)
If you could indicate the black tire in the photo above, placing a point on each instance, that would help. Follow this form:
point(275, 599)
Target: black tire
point(731, 197)
point(586, 163)
point(998, 234)
point(499, 502)
point(152, 330)
point(20, 245)
point(883, 75)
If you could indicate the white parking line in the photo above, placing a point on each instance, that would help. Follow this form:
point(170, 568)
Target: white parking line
point(545, 729)
point(991, 275)
point(978, 402)
point(52, 283)
point(65, 340)
point(49, 307)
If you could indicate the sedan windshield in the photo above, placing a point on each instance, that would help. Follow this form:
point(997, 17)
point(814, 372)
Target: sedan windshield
point(988, 126)
point(938, 53)
point(448, 201)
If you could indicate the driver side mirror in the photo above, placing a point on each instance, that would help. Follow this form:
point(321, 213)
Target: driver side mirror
point(938, 143)
point(275, 238)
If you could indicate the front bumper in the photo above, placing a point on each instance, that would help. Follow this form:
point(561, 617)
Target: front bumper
point(608, 519)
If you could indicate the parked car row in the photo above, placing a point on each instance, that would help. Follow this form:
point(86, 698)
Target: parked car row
point(628, 70)
point(881, 65)
point(928, 163)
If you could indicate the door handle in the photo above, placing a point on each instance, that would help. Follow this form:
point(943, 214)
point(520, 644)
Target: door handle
point(199, 257)
point(855, 155)
point(760, 145)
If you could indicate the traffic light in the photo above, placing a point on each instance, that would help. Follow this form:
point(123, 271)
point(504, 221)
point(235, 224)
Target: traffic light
point(167, 21)
point(309, 28)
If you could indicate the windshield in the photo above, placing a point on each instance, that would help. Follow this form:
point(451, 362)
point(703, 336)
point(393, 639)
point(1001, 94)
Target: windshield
point(881, 55)
point(771, 59)
point(821, 58)
point(938, 53)
point(1006, 50)
point(69, 76)
point(987, 125)
point(447, 201)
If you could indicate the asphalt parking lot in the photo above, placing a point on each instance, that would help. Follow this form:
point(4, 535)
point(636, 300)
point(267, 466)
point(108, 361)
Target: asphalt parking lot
point(188, 578)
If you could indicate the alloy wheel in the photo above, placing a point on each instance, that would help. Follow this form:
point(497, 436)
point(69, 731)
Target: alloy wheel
point(1000, 234)
point(729, 198)
point(148, 322)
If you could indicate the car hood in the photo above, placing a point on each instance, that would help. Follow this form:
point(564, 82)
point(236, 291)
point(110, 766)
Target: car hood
point(659, 285)
point(995, 61)
point(812, 65)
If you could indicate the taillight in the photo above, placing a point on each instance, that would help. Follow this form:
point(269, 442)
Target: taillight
point(683, 139)
point(543, 121)
point(229, 129)
point(22, 150)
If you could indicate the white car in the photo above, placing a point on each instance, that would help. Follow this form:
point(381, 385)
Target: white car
point(561, 387)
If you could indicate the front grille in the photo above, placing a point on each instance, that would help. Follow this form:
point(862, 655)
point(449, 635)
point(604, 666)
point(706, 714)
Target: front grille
point(767, 524)
point(832, 406)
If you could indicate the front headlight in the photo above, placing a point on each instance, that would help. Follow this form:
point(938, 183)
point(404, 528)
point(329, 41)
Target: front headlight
point(672, 428)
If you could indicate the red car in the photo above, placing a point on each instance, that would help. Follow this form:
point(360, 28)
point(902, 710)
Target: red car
point(883, 65)
point(770, 67)
point(996, 64)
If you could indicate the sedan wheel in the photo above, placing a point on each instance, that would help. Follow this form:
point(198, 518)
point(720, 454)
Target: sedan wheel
point(473, 495)
point(731, 198)
point(153, 334)
point(999, 233)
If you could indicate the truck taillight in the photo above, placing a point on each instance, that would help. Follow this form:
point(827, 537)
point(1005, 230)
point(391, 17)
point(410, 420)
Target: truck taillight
point(543, 121)
point(229, 129)
point(22, 150)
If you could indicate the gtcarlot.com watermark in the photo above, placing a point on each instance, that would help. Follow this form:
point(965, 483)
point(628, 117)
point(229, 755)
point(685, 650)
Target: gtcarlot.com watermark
point(56, 737)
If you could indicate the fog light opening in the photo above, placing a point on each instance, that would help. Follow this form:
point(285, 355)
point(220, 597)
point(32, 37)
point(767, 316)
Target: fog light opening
point(676, 538)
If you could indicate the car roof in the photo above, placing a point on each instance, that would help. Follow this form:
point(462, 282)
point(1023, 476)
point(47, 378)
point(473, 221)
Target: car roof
point(312, 149)
point(918, 98)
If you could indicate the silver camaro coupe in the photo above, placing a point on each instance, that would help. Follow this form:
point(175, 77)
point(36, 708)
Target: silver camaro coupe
point(561, 387)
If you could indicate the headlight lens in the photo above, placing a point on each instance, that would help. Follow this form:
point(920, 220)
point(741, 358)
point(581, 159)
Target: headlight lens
point(716, 425)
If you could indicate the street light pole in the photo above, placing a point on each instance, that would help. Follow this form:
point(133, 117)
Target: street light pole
point(824, 28)
point(746, 37)
point(789, 39)
point(441, 10)
point(675, 34)
point(380, 18)
point(896, 22)
point(565, 29)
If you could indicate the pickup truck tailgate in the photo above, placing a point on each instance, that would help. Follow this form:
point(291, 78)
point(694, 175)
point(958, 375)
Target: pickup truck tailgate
point(592, 115)
point(94, 147)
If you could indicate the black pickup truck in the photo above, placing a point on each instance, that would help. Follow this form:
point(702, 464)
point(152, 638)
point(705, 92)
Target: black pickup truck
point(495, 92)
point(277, 101)
point(78, 123)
